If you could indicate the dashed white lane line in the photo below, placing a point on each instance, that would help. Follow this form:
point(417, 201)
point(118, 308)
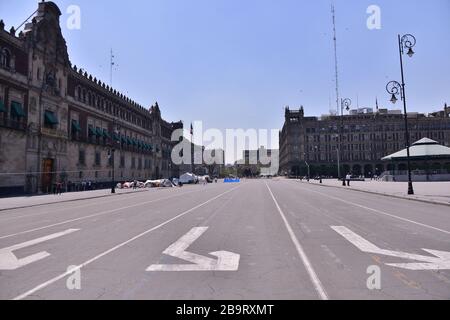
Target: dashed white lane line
point(309, 268)
point(84, 264)
point(116, 210)
point(378, 211)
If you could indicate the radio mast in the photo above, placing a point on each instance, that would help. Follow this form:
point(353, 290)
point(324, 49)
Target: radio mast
point(335, 58)
point(111, 65)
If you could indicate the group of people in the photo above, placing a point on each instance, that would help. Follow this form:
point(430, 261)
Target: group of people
point(58, 188)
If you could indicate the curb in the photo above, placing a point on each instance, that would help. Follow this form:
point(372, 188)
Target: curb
point(78, 199)
point(381, 194)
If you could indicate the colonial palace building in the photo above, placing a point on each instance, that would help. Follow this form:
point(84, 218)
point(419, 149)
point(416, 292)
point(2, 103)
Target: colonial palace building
point(60, 124)
point(367, 136)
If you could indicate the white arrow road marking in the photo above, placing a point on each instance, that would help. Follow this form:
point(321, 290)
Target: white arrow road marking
point(8, 261)
point(226, 261)
point(440, 261)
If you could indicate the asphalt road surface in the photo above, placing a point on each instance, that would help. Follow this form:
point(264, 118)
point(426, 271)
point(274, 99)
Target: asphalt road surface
point(258, 239)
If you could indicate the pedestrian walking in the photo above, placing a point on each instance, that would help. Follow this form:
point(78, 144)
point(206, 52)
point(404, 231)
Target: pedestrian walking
point(348, 177)
point(58, 188)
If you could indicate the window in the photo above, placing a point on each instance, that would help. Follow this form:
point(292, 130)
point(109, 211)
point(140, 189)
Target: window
point(75, 129)
point(81, 157)
point(122, 161)
point(97, 158)
point(5, 59)
point(133, 162)
point(50, 119)
point(2, 106)
point(140, 163)
point(17, 110)
point(92, 134)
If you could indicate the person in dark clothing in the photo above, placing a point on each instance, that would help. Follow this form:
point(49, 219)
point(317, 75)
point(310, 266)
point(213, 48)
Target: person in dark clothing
point(58, 188)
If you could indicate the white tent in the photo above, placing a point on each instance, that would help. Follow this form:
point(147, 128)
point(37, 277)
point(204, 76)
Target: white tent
point(188, 178)
point(161, 183)
point(166, 183)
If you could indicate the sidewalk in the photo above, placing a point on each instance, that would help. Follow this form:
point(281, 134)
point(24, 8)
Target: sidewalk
point(434, 192)
point(32, 201)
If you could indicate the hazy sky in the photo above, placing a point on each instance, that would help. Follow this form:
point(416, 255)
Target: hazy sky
point(237, 63)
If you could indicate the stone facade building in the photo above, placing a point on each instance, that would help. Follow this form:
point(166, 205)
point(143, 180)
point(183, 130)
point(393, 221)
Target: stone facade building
point(198, 163)
point(367, 137)
point(254, 162)
point(60, 124)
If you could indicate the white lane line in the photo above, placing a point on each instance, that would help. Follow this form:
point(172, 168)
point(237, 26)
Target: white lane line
point(226, 261)
point(5, 211)
point(309, 268)
point(10, 216)
point(439, 261)
point(95, 215)
point(84, 264)
point(9, 261)
point(126, 196)
point(378, 211)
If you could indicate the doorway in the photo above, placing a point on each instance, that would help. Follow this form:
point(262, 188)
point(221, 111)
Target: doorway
point(47, 175)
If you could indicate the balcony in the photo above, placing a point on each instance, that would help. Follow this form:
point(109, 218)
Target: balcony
point(55, 133)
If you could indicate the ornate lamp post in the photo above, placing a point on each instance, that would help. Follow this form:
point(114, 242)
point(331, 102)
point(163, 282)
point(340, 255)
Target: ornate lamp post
point(345, 104)
point(306, 159)
point(405, 43)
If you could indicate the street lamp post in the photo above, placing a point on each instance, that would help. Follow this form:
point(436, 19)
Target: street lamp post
point(338, 161)
point(307, 165)
point(345, 103)
point(407, 42)
point(113, 187)
point(113, 150)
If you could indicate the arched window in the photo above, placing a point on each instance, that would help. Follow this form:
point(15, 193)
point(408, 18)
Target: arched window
point(78, 93)
point(5, 58)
